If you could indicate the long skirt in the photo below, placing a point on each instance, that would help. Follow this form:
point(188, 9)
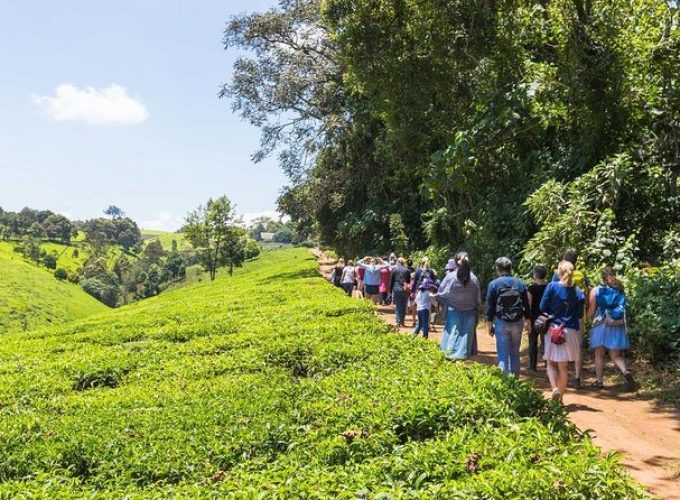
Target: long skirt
point(459, 338)
point(563, 352)
point(613, 338)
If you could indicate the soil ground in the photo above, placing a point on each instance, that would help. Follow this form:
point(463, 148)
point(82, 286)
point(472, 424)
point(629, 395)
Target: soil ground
point(645, 434)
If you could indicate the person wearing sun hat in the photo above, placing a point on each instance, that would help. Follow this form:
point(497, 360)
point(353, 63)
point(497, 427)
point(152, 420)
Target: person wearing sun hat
point(461, 295)
point(425, 299)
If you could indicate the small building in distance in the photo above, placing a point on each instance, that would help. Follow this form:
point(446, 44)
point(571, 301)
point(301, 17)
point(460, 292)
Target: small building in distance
point(267, 236)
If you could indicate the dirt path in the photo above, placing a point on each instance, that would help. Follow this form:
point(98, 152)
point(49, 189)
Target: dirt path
point(647, 436)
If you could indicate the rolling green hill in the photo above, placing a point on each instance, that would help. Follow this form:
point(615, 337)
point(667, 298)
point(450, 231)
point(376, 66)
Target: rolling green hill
point(31, 297)
point(166, 238)
point(271, 383)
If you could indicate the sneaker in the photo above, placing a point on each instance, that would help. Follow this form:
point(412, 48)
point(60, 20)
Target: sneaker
point(630, 382)
point(575, 383)
point(597, 385)
point(556, 396)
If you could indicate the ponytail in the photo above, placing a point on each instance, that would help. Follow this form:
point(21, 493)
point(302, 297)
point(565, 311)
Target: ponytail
point(463, 271)
point(609, 278)
point(565, 270)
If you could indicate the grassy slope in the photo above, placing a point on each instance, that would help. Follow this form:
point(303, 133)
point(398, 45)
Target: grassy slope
point(166, 239)
point(273, 381)
point(31, 297)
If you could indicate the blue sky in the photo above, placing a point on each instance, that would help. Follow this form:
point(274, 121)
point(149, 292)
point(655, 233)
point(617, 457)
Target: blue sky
point(158, 143)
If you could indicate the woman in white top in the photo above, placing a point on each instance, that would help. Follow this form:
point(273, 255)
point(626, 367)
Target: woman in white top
point(348, 276)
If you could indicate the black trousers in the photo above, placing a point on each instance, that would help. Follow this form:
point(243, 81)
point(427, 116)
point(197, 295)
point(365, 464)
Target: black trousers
point(534, 339)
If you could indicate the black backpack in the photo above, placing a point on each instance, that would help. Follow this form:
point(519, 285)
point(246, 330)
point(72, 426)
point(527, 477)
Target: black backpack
point(509, 303)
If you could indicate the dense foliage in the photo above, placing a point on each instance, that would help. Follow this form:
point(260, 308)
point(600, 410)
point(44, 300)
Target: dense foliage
point(218, 236)
point(462, 116)
point(272, 383)
point(654, 313)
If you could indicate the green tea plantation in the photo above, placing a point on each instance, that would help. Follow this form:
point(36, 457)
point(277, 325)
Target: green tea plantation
point(31, 296)
point(273, 384)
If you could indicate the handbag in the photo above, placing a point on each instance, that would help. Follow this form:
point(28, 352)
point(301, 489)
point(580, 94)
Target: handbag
point(542, 323)
point(556, 332)
point(557, 336)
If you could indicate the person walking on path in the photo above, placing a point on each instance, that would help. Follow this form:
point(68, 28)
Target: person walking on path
point(336, 276)
point(507, 311)
point(361, 273)
point(581, 281)
point(535, 294)
point(373, 267)
point(348, 277)
point(423, 272)
point(400, 288)
point(385, 278)
point(460, 294)
point(564, 303)
point(425, 298)
point(607, 311)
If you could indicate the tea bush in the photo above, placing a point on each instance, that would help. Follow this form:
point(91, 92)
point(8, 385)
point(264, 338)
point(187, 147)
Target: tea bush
point(272, 384)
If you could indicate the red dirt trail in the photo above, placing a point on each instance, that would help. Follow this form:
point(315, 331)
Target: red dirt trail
point(646, 435)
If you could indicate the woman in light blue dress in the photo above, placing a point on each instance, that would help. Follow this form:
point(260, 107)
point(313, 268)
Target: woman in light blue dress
point(607, 310)
point(461, 295)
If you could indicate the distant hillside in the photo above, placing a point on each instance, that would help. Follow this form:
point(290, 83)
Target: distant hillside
point(166, 238)
point(31, 297)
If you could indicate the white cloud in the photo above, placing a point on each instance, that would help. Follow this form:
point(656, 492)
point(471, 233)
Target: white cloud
point(164, 221)
point(106, 106)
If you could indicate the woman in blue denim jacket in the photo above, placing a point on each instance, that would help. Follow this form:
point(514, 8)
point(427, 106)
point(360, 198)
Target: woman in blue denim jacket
point(564, 302)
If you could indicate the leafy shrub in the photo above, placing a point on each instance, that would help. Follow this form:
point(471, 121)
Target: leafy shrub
point(253, 248)
point(50, 260)
point(61, 274)
point(284, 235)
point(105, 377)
point(654, 298)
point(104, 292)
point(307, 244)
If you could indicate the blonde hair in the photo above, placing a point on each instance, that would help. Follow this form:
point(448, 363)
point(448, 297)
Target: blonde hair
point(401, 261)
point(341, 261)
point(565, 270)
point(350, 263)
point(424, 262)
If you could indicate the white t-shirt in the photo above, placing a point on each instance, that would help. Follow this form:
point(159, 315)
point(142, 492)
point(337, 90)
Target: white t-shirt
point(348, 274)
point(424, 299)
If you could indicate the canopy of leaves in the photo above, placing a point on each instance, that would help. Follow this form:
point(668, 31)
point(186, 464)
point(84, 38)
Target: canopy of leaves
point(216, 233)
point(459, 116)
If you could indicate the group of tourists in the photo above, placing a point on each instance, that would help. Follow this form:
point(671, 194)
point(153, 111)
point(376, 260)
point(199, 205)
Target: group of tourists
point(553, 311)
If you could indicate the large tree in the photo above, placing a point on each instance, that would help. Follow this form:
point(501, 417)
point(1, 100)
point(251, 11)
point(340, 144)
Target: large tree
point(58, 227)
point(217, 235)
point(451, 114)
